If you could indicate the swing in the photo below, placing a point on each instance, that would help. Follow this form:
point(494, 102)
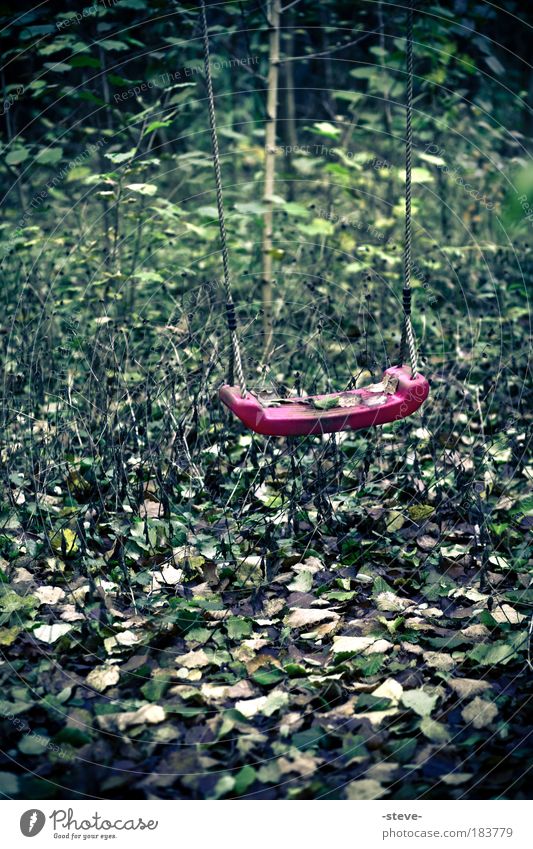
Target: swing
point(402, 389)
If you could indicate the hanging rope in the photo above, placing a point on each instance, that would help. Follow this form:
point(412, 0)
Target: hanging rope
point(235, 364)
point(408, 336)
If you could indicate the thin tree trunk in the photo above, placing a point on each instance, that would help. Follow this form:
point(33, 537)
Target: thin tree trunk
point(385, 76)
point(290, 132)
point(103, 165)
point(329, 76)
point(274, 7)
point(13, 172)
point(530, 99)
point(105, 88)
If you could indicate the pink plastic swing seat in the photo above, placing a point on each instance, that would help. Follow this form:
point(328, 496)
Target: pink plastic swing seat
point(301, 418)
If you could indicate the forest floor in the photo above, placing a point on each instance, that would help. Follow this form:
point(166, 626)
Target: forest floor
point(327, 618)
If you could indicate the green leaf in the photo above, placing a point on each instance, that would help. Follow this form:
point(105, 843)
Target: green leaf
point(295, 670)
point(492, 654)
point(310, 738)
point(395, 520)
point(244, 779)
point(381, 586)
point(58, 67)
point(37, 85)
point(207, 212)
point(269, 497)
point(119, 158)
point(434, 731)
point(9, 635)
point(324, 128)
point(32, 744)
point(113, 44)
point(238, 628)
point(65, 542)
point(17, 156)
point(339, 595)
point(495, 65)
point(155, 689)
point(143, 188)
point(432, 159)
point(83, 61)
point(13, 708)
point(11, 602)
point(251, 208)
point(362, 73)
point(418, 175)
point(148, 276)
point(350, 96)
point(317, 227)
point(156, 125)
point(302, 583)
point(9, 784)
point(73, 736)
point(325, 403)
point(185, 710)
point(420, 511)
point(134, 4)
point(79, 172)
point(50, 156)
point(297, 210)
point(419, 701)
point(276, 700)
point(267, 676)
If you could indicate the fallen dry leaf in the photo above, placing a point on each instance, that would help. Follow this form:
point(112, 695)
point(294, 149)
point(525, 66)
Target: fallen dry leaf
point(102, 677)
point(49, 595)
point(389, 385)
point(193, 659)
point(506, 613)
point(373, 401)
point(455, 778)
point(302, 617)
point(439, 660)
point(390, 689)
point(126, 638)
point(147, 714)
point(170, 575)
point(392, 603)
point(363, 645)
point(150, 509)
point(51, 633)
point(479, 712)
point(468, 687)
point(250, 707)
point(365, 788)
